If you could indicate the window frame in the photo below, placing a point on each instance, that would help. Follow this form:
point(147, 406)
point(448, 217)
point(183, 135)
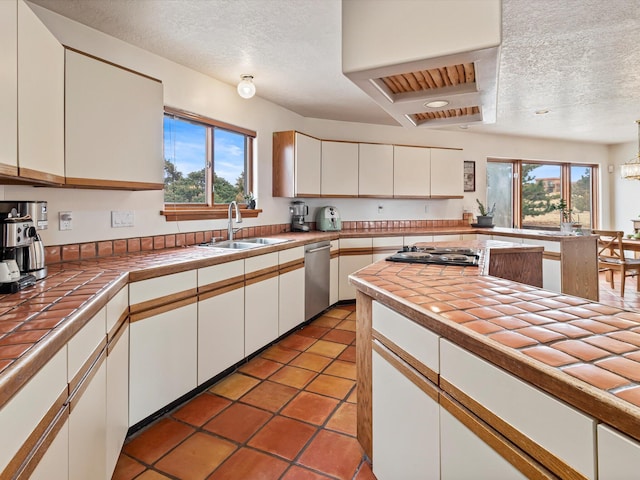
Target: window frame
point(197, 211)
point(565, 185)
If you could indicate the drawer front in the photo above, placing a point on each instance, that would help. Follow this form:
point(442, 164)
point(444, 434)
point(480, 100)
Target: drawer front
point(355, 243)
point(218, 273)
point(413, 239)
point(162, 286)
point(116, 307)
point(414, 339)
point(253, 264)
point(335, 245)
point(387, 241)
point(560, 429)
point(290, 255)
point(85, 342)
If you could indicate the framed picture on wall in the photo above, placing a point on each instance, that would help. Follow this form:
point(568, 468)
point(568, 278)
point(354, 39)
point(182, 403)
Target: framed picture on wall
point(469, 176)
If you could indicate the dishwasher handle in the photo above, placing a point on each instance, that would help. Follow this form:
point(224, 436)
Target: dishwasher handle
point(314, 250)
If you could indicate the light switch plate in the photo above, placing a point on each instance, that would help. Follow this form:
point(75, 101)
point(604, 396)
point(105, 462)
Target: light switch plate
point(122, 218)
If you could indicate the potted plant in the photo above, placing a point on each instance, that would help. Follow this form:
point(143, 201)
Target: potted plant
point(485, 219)
point(250, 200)
point(566, 225)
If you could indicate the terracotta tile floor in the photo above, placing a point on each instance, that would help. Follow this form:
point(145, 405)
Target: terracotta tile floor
point(289, 414)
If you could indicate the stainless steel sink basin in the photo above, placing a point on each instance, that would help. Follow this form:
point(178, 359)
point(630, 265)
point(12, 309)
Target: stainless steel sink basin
point(245, 243)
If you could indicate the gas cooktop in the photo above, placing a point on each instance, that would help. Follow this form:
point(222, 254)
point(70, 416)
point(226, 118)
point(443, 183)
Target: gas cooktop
point(461, 256)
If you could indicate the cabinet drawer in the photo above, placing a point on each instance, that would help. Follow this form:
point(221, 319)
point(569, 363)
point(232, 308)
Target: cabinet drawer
point(118, 305)
point(414, 339)
point(261, 262)
point(218, 273)
point(290, 255)
point(86, 342)
point(355, 243)
point(555, 426)
point(161, 286)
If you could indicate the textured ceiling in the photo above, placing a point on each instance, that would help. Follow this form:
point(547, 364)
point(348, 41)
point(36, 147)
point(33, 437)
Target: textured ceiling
point(576, 58)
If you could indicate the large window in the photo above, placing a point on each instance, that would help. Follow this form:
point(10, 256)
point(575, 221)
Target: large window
point(206, 163)
point(527, 194)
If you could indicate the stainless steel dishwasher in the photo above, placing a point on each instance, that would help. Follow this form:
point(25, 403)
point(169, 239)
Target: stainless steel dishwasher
point(316, 277)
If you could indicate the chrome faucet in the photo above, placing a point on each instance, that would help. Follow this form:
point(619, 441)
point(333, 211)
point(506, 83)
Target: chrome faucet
point(238, 219)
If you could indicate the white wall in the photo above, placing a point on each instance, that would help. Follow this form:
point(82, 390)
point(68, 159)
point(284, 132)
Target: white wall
point(625, 194)
point(192, 91)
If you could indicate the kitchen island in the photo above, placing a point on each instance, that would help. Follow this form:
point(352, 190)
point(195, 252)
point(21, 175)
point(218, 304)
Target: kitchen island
point(466, 375)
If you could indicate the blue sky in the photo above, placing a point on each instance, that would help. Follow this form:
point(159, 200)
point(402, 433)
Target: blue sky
point(185, 146)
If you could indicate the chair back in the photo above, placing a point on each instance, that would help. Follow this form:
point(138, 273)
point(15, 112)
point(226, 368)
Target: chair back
point(610, 249)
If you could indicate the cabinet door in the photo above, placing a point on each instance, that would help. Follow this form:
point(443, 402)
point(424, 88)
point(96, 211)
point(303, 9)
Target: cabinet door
point(348, 265)
point(40, 100)
point(339, 169)
point(9, 86)
point(307, 165)
point(220, 332)
point(87, 428)
point(334, 273)
point(117, 397)
point(406, 443)
point(411, 171)
point(106, 101)
point(54, 464)
point(375, 166)
point(464, 455)
point(163, 360)
point(618, 455)
point(291, 300)
point(261, 314)
point(447, 173)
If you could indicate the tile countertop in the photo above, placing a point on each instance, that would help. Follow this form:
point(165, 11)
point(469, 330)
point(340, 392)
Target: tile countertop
point(585, 353)
point(38, 321)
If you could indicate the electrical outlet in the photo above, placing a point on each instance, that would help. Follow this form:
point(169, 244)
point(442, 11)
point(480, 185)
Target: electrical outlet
point(65, 220)
point(124, 218)
point(380, 208)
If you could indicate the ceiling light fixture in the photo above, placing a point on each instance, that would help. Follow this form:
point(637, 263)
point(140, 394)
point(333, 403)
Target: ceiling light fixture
point(544, 111)
point(436, 103)
point(631, 169)
point(246, 88)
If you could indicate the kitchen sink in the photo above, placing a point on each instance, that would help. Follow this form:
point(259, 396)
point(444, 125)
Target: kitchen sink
point(245, 243)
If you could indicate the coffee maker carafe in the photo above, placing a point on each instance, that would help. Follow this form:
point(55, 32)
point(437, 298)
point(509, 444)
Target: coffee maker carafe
point(298, 211)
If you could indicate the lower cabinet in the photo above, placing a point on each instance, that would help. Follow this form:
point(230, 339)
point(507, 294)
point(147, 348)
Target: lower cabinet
point(355, 253)
point(54, 464)
point(618, 455)
point(261, 314)
point(163, 359)
point(334, 280)
point(406, 433)
point(87, 425)
point(465, 455)
point(220, 331)
point(291, 300)
point(117, 396)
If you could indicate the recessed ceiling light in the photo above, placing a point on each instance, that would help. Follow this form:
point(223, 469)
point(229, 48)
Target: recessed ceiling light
point(542, 111)
point(436, 104)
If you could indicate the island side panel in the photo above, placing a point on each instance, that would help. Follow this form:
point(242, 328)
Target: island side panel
point(523, 267)
point(580, 267)
point(364, 372)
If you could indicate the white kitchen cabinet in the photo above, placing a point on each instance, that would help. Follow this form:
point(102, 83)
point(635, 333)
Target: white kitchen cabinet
point(220, 318)
point(85, 344)
point(87, 425)
point(146, 291)
point(163, 359)
point(261, 306)
point(296, 165)
point(465, 455)
point(25, 410)
point(291, 289)
point(557, 427)
point(54, 464)
point(447, 173)
point(351, 260)
point(117, 407)
point(9, 87)
point(411, 171)
point(339, 169)
point(102, 101)
point(334, 272)
point(406, 431)
point(618, 455)
point(375, 167)
point(385, 246)
point(40, 100)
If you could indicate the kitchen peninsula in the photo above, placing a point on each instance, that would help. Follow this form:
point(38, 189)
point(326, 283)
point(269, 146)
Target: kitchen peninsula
point(466, 375)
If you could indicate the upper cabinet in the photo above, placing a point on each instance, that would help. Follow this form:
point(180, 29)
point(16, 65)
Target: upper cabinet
point(375, 170)
point(447, 173)
point(113, 128)
point(296, 165)
point(40, 100)
point(339, 169)
point(304, 166)
point(9, 88)
point(411, 172)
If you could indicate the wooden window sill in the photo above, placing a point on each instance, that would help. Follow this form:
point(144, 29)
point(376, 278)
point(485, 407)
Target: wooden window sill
point(178, 214)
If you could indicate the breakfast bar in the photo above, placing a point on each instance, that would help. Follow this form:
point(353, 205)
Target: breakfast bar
point(465, 374)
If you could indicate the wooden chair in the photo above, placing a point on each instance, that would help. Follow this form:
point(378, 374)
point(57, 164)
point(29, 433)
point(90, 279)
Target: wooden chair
point(611, 258)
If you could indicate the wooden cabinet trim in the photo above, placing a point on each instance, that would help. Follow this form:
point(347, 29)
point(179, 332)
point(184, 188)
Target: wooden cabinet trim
point(347, 252)
point(237, 281)
point(111, 184)
point(41, 177)
point(291, 266)
point(261, 275)
point(226, 288)
point(86, 366)
point(364, 368)
point(161, 301)
point(204, 213)
point(76, 394)
point(404, 356)
point(117, 327)
point(167, 307)
point(114, 339)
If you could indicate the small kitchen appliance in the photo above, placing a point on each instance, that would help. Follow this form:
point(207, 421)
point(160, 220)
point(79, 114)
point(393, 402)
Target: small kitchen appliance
point(328, 219)
point(20, 243)
point(298, 211)
point(461, 256)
